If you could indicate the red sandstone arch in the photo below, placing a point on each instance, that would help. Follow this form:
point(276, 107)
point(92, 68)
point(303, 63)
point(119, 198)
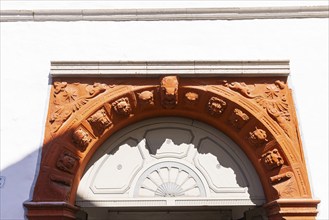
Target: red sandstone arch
point(257, 113)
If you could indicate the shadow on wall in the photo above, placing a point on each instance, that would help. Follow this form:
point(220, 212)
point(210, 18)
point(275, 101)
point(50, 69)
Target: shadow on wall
point(19, 180)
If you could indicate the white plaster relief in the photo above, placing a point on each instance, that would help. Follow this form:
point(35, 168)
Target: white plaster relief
point(215, 163)
point(168, 142)
point(173, 159)
point(115, 170)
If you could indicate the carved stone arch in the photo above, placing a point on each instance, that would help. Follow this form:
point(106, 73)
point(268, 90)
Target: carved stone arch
point(256, 112)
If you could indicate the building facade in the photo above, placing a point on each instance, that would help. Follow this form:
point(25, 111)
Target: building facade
point(99, 106)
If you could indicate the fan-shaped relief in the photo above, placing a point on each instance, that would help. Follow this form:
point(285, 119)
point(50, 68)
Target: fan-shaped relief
point(169, 179)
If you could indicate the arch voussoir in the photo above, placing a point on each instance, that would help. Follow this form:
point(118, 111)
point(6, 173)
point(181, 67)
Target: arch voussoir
point(256, 113)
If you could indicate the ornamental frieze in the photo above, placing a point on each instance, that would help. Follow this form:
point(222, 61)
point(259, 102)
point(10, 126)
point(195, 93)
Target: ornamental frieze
point(256, 112)
point(271, 97)
point(69, 98)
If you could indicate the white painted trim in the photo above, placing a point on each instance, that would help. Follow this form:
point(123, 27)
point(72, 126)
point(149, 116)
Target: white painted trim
point(155, 68)
point(166, 14)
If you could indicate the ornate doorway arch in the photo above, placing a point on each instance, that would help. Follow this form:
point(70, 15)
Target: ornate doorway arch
point(253, 108)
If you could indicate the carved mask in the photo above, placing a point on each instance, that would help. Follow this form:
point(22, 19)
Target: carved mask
point(169, 91)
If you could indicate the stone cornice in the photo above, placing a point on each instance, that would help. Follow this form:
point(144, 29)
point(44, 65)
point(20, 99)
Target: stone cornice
point(165, 14)
point(185, 68)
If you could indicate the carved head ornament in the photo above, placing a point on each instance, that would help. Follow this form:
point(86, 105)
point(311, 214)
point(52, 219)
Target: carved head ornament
point(81, 139)
point(216, 106)
point(273, 159)
point(169, 91)
point(99, 121)
point(67, 162)
point(122, 106)
point(257, 136)
point(146, 97)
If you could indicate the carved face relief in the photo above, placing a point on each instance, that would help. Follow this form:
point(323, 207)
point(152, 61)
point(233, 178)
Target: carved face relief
point(146, 97)
point(272, 159)
point(216, 106)
point(81, 139)
point(169, 91)
point(67, 162)
point(122, 106)
point(191, 97)
point(258, 136)
point(238, 119)
point(99, 121)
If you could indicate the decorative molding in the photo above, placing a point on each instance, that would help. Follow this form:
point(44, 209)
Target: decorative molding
point(166, 14)
point(186, 68)
point(258, 88)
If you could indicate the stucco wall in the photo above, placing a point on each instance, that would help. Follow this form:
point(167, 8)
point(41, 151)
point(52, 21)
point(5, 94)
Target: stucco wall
point(28, 47)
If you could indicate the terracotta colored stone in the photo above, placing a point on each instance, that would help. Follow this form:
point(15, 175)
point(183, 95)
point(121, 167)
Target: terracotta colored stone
point(254, 108)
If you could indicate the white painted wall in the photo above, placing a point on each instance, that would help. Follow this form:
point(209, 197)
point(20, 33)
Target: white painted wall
point(27, 49)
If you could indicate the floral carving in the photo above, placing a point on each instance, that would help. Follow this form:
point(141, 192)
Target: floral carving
point(69, 99)
point(146, 97)
point(67, 162)
point(99, 121)
point(281, 177)
point(216, 106)
point(191, 97)
point(169, 91)
point(257, 136)
point(81, 139)
point(122, 106)
point(238, 119)
point(273, 100)
point(272, 159)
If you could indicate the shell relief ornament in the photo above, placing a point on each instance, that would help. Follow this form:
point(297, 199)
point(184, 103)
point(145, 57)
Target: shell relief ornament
point(169, 179)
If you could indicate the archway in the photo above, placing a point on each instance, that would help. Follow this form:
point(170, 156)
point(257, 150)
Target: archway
point(169, 165)
point(257, 113)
